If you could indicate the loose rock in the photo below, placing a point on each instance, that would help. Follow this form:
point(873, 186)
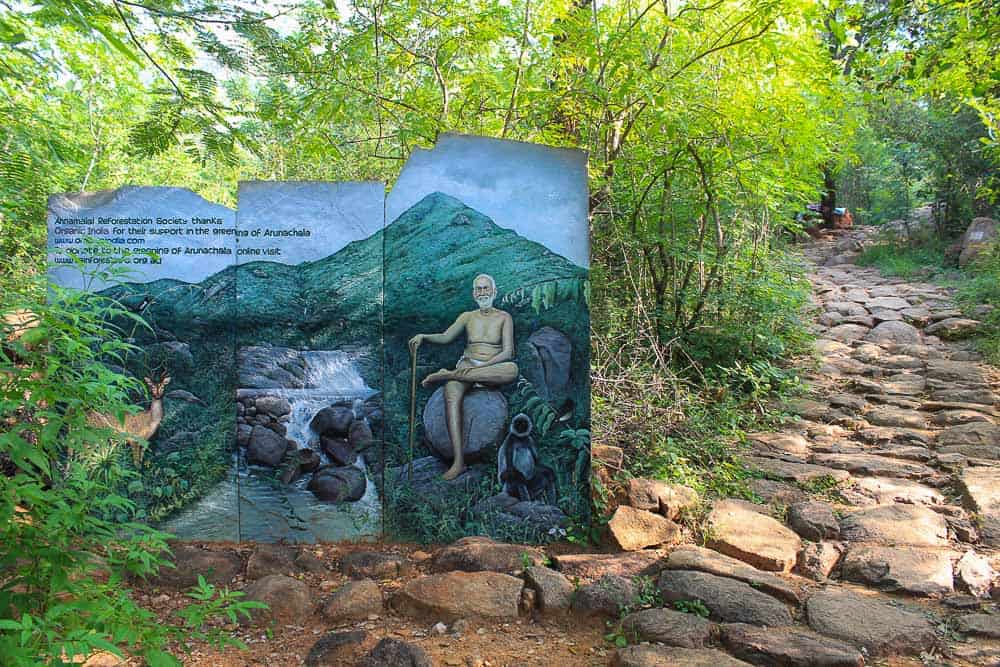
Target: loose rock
point(605, 597)
point(752, 537)
point(656, 496)
point(476, 554)
point(337, 648)
point(374, 565)
point(455, 595)
point(818, 560)
point(814, 521)
point(396, 653)
point(353, 600)
point(633, 529)
point(669, 627)
point(288, 600)
point(911, 525)
point(975, 574)
point(555, 592)
point(660, 656)
point(904, 569)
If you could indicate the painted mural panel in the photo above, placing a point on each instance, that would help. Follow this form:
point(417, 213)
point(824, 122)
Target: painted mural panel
point(315, 374)
point(167, 255)
point(487, 342)
point(309, 332)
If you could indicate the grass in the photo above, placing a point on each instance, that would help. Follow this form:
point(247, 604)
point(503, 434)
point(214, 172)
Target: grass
point(904, 261)
point(701, 442)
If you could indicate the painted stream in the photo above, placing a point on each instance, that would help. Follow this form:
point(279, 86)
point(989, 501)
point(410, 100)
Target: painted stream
point(252, 504)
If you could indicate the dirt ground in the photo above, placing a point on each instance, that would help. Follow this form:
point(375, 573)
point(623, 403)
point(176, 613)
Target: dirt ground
point(530, 640)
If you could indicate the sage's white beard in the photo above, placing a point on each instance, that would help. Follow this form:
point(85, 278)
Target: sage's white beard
point(485, 302)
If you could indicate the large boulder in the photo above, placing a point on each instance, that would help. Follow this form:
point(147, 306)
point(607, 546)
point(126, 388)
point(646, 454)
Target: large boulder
point(266, 447)
point(652, 495)
point(981, 232)
point(894, 525)
point(484, 421)
point(953, 328)
point(333, 421)
point(980, 487)
point(338, 484)
point(789, 647)
point(878, 626)
point(545, 360)
point(691, 557)
point(269, 367)
point(726, 599)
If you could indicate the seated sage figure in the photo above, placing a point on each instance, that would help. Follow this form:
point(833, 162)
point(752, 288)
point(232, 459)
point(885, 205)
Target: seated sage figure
point(486, 360)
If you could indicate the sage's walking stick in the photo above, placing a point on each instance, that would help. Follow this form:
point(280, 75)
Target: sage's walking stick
point(413, 407)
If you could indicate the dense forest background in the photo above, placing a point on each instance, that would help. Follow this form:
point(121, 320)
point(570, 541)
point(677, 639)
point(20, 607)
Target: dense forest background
point(710, 125)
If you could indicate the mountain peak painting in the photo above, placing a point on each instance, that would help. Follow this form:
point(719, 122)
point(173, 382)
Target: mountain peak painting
point(348, 376)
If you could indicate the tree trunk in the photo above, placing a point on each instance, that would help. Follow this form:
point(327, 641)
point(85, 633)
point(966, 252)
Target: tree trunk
point(829, 201)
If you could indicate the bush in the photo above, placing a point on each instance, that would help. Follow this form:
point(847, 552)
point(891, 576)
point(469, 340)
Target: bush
point(68, 542)
point(981, 285)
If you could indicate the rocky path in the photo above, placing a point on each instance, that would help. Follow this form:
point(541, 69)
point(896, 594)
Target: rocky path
point(876, 541)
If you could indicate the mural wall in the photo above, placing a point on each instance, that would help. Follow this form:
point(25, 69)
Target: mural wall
point(414, 365)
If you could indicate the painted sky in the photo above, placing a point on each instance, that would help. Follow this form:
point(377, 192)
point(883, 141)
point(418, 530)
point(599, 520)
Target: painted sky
point(537, 191)
point(150, 203)
point(334, 213)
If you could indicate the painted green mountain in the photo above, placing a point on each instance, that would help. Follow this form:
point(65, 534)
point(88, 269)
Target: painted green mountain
point(435, 249)
point(431, 254)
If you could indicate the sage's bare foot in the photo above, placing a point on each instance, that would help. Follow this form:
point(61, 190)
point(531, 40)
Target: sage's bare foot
point(439, 376)
point(454, 471)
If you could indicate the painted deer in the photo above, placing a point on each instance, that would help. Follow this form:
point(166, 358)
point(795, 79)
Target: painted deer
point(142, 425)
